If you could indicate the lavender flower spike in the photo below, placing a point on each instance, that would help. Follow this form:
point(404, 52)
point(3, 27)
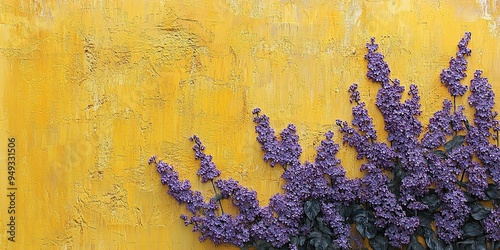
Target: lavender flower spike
point(207, 170)
point(378, 69)
point(452, 76)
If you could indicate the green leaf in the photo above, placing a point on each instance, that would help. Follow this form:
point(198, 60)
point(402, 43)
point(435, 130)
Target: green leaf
point(432, 200)
point(432, 242)
point(322, 227)
point(466, 244)
point(358, 214)
point(379, 242)
point(311, 209)
point(455, 142)
point(469, 198)
point(493, 192)
point(414, 244)
point(479, 212)
point(426, 218)
point(480, 243)
point(472, 229)
point(302, 240)
point(440, 153)
point(315, 234)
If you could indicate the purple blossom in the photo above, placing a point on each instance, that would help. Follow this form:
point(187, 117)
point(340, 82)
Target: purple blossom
point(270, 229)
point(388, 213)
point(403, 129)
point(378, 69)
point(243, 199)
point(327, 162)
point(181, 190)
point(452, 76)
point(483, 100)
point(341, 230)
point(443, 124)
point(400, 120)
point(285, 152)
point(478, 182)
point(152, 159)
point(453, 210)
point(207, 170)
point(379, 154)
point(452, 216)
point(492, 225)
point(488, 154)
point(354, 97)
point(305, 182)
point(221, 229)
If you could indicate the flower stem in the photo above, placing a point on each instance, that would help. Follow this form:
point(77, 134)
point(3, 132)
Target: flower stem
point(215, 191)
point(454, 104)
point(463, 174)
point(498, 139)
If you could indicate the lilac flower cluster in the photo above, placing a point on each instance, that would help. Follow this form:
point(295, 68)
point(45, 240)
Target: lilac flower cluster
point(403, 129)
point(483, 100)
point(343, 189)
point(452, 76)
point(378, 69)
point(443, 124)
point(242, 198)
point(207, 170)
point(362, 138)
point(333, 218)
point(181, 190)
point(285, 152)
point(492, 225)
point(389, 214)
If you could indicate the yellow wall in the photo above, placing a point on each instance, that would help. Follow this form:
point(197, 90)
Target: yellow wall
point(91, 89)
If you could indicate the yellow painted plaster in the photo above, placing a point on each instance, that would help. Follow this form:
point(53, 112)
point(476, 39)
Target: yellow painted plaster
point(92, 89)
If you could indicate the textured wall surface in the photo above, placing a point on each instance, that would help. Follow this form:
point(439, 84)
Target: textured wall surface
point(91, 89)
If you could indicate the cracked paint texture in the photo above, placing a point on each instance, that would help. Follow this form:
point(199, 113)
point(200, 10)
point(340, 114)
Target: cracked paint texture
point(92, 89)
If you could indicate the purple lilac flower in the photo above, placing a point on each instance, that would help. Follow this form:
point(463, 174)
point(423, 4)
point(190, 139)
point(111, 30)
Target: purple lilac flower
point(403, 129)
point(225, 228)
point(454, 210)
point(304, 182)
point(207, 170)
point(492, 225)
point(483, 100)
point(452, 76)
point(354, 97)
point(285, 152)
point(152, 159)
point(333, 218)
point(478, 182)
point(269, 229)
point(452, 216)
point(460, 159)
point(378, 70)
point(221, 229)
point(242, 198)
point(488, 154)
point(343, 189)
point(181, 190)
point(377, 153)
point(443, 124)
point(400, 118)
point(279, 221)
point(388, 213)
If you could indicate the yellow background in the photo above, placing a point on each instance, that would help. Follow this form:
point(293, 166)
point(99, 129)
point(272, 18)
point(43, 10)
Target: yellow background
point(92, 89)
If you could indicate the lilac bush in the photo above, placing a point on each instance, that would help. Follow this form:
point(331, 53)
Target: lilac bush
point(437, 183)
